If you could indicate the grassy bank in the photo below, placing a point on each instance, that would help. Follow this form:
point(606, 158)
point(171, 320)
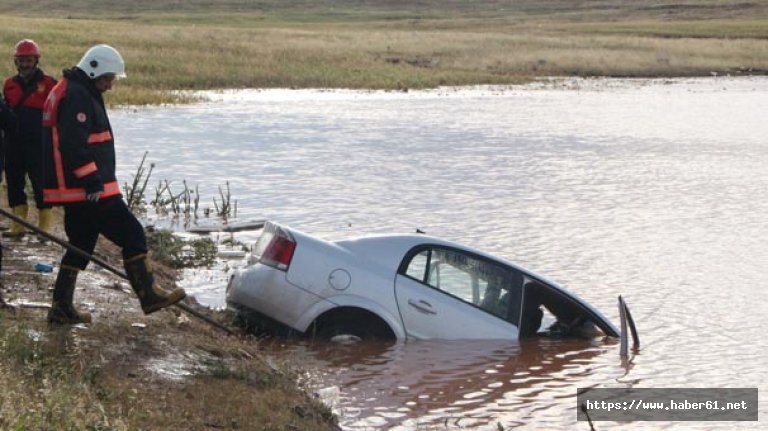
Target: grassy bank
point(116, 377)
point(128, 371)
point(209, 44)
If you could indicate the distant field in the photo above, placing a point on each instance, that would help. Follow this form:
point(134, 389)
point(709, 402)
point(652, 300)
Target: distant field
point(205, 44)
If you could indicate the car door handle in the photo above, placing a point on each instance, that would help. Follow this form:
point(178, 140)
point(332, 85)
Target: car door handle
point(422, 305)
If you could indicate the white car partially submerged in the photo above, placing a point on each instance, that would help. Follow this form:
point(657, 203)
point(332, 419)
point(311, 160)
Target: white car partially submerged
point(397, 287)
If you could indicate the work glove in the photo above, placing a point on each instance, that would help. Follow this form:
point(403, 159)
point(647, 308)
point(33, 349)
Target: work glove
point(93, 187)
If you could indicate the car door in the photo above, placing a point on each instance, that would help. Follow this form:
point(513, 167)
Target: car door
point(452, 294)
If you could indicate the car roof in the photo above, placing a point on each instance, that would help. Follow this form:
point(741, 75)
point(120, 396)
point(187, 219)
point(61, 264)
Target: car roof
point(389, 249)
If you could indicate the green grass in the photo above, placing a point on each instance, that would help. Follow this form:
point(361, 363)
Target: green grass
point(213, 44)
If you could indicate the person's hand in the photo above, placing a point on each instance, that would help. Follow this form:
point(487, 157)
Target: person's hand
point(93, 197)
point(93, 187)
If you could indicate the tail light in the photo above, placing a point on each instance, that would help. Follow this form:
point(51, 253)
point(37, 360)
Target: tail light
point(275, 247)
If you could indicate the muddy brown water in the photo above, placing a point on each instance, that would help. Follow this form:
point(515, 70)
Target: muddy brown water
point(653, 189)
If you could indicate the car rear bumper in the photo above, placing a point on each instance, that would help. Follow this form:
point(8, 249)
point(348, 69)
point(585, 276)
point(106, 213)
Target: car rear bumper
point(263, 290)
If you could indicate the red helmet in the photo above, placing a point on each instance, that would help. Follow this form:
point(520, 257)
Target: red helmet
point(26, 48)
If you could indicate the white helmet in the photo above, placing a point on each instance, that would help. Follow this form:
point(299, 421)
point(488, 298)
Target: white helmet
point(101, 60)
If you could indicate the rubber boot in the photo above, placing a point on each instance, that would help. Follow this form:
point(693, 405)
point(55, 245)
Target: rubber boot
point(45, 219)
point(62, 311)
point(17, 230)
point(142, 281)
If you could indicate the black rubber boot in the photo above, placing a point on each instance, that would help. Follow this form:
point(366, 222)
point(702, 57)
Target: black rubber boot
point(62, 311)
point(142, 281)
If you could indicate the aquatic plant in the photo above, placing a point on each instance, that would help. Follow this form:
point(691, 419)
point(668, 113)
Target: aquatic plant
point(180, 253)
point(171, 202)
point(134, 193)
point(167, 202)
point(228, 208)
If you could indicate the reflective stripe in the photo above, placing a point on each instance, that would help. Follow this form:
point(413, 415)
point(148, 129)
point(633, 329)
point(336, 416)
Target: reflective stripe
point(85, 170)
point(58, 163)
point(95, 138)
point(51, 107)
point(78, 194)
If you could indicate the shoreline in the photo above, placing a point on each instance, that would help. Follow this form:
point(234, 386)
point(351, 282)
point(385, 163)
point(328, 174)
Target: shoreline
point(539, 84)
point(130, 371)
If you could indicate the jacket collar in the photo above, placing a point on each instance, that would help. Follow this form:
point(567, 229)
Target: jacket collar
point(36, 77)
point(77, 75)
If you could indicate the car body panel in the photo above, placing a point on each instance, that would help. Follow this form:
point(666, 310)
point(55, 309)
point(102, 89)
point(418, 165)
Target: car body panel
point(314, 264)
point(430, 313)
point(266, 290)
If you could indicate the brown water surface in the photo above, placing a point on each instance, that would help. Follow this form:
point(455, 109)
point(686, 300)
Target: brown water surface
point(652, 189)
point(466, 384)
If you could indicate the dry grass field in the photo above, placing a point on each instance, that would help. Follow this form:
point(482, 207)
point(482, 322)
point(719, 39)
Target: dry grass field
point(207, 44)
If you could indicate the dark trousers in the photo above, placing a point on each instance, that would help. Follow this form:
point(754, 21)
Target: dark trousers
point(110, 217)
point(2, 155)
point(21, 162)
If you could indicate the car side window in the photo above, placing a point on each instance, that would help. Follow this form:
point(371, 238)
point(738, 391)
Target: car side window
point(417, 267)
point(490, 286)
point(451, 272)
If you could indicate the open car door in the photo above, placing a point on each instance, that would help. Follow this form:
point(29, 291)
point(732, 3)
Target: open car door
point(574, 317)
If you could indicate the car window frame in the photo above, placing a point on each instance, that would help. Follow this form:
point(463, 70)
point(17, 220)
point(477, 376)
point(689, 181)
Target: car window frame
point(413, 252)
point(552, 288)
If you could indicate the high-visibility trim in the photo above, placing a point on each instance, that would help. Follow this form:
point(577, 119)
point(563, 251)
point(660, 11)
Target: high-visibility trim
point(85, 170)
point(58, 163)
point(97, 138)
point(51, 106)
point(62, 196)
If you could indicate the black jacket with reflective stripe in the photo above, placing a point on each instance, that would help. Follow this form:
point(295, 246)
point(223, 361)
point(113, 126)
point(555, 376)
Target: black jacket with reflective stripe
point(26, 99)
point(78, 146)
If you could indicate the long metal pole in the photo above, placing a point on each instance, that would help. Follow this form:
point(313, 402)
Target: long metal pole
point(101, 262)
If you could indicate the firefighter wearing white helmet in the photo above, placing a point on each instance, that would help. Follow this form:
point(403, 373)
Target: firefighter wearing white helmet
point(79, 173)
point(102, 60)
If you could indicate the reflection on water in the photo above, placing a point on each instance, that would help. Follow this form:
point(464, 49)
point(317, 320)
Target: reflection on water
point(465, 383)
point(655, 190)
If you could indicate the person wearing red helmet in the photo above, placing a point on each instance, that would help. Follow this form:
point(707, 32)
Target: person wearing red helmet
point(25, 94)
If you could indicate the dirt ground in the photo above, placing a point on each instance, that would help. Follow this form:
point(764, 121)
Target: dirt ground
point(105, 295)
point(126, 370)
